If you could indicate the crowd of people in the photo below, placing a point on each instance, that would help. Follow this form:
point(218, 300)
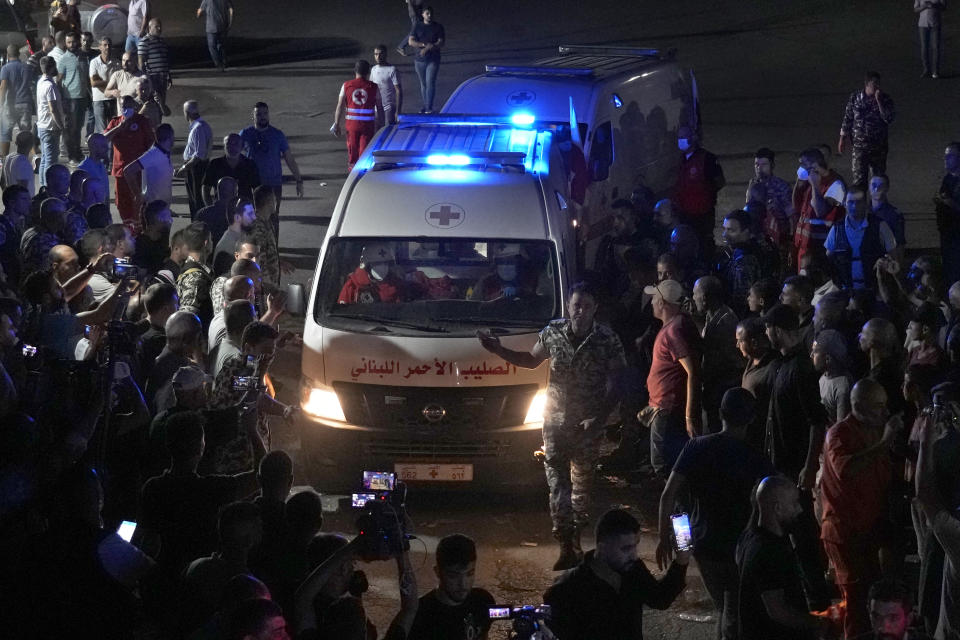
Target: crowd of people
point(794, 388)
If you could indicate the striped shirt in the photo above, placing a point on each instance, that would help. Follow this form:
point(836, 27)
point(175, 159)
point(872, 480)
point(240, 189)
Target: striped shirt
point(155, 54)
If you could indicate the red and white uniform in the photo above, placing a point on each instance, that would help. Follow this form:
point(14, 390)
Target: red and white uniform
point(361, 100)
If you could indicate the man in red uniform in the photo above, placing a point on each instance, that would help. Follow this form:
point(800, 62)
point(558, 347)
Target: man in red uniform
point(818, 198)
point(854, 487)
point(374, 280)
point(698, 184)
point(131, 134)
point(360, 103)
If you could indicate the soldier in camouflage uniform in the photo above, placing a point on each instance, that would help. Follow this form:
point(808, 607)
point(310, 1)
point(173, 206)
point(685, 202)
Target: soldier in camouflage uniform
point(237, 456)
point(265, 204)
point(585, 361)
point(193, 283)
point(868, 114)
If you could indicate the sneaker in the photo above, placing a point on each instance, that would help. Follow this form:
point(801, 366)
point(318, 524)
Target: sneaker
point(935, 76)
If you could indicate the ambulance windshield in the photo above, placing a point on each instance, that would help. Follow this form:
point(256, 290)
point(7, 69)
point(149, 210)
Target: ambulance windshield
point(449, 286)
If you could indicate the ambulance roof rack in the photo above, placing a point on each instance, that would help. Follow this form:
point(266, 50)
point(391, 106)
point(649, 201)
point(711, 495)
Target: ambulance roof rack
point(454, 118)
point(538, 70)
point(625, 52)
point(417, 156)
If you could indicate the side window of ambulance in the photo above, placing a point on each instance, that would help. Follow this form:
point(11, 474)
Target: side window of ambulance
point(601, 153)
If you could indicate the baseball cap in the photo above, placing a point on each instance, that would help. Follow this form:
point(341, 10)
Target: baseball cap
point(780, 315)
point(670, 290)
point(189, 378)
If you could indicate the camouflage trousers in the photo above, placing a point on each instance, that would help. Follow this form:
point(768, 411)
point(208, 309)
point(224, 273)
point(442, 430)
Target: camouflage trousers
point(570, 458)
point(866, 162)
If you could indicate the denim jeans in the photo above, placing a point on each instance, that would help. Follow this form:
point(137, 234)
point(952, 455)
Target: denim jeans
point(215, 45)
point(76, 118)
point(668, 434)
point(427, 72)
point(103, 111)
point(930, 49)
point(49, 151)
point(131, 43)
point(18, 116)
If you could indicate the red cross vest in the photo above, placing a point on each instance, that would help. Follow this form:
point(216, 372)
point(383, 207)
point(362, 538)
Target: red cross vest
point(361, 97)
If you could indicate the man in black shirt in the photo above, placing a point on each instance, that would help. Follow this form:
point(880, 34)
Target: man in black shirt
point(720, 471)
point(947, 202)
point(795, 431)
point(153, 245)
point(455, 610)
point(231, 164)
point(161, 302)
point(427, 38)
point(603, 597)
point(771, 587)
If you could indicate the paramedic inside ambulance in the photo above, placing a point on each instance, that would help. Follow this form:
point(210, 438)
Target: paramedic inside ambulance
point(376, 279)
point(508, 280)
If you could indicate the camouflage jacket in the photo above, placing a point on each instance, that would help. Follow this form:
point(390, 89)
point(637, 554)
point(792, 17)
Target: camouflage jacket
point(269, 259)
point(578, 375)
point(863, 122)
point(193, 288)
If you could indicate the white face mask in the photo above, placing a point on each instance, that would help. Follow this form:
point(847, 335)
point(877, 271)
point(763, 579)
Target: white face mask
point(803, 174)
point(683, 144)
point(128, 113)
point(507, 272)
point(379, 271)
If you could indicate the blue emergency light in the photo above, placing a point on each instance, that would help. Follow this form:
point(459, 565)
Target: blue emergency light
point(522, 119)
point(444, 160)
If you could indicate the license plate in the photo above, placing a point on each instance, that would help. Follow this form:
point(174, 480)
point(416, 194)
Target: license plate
point(434, 472)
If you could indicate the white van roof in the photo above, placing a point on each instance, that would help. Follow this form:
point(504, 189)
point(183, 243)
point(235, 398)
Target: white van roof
point(545, 87)
point(450, 176)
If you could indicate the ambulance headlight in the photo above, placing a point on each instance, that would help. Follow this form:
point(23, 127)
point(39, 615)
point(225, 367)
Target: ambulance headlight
point(537, 405)
point(320, 402)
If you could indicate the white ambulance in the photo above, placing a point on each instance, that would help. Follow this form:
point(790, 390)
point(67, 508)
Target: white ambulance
point(447, 224)
point(624, 104)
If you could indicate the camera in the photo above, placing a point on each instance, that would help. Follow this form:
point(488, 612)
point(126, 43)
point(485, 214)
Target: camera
point(527, 619)
point(124, 269)
point(383, 523)
point(245, 383)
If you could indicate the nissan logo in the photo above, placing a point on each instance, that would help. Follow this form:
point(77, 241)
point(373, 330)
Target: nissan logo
point(434, 413)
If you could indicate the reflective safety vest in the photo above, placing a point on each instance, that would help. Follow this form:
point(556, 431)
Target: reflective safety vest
point(361, 98)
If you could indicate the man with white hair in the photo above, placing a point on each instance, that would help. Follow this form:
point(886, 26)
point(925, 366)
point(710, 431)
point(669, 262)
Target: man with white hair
point(196, 155)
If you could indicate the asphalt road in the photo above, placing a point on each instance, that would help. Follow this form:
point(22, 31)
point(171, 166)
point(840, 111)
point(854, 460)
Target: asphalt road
point(770, 74)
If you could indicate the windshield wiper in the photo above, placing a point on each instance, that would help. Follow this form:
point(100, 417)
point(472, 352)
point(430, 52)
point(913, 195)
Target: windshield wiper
point(389, 321)
point(497, 322)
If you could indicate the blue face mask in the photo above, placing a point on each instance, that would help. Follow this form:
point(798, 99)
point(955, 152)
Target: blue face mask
point(683, 144)
point(803, 174)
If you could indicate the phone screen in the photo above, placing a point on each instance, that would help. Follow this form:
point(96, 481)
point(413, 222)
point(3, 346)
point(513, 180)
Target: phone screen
point(498, 613)
point(379, 480)
point(361, 499)
point(126, 529)
point(681, 530)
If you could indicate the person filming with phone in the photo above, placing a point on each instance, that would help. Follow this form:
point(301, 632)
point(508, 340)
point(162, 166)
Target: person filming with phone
point(718, 472)
point(604, 596)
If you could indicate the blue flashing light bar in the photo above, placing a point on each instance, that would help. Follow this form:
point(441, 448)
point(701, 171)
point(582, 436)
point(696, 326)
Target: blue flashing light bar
point(522, 119)
point(444, 160)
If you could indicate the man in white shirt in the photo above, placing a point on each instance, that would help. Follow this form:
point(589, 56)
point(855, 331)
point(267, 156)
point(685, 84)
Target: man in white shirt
point(17, 168)
point(388, 82)
point(124, 81)
point(50, 119)
point(930, 16)
point(196, 155)
point(102, 69)
point(157, 170)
